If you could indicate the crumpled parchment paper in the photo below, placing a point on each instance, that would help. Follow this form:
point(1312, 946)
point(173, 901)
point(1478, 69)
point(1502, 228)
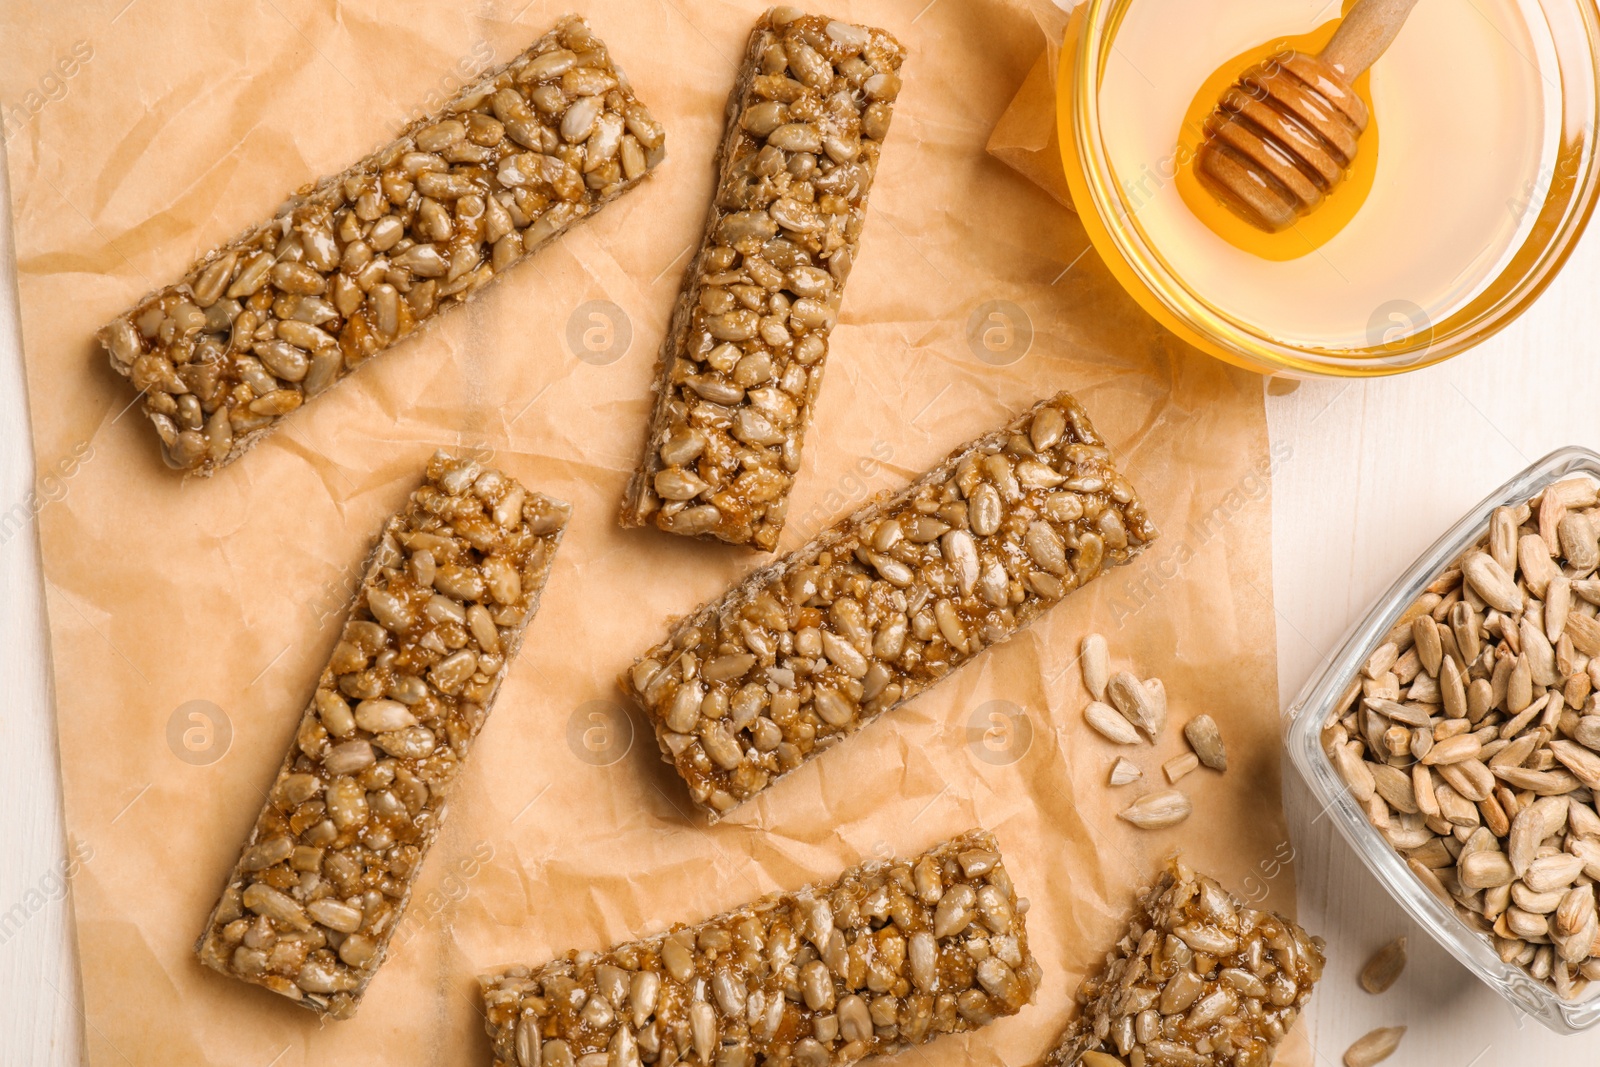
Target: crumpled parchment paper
point(189, 620)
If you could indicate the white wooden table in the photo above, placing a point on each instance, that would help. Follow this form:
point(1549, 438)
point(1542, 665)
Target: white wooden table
point(1375, 472)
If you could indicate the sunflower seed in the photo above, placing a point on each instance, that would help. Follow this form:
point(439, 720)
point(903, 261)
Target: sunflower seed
point(1425, 636)
point(1099, 1059)
point(1422, 787)
point(1491, 582)
point(1577, 542)
point(1158, 700)
point(1096, 665)
point(1374, 1047)
point(1157, 811)
point(1452, 690)
point(1584, 631)
point(1577, 924)
point(1582, 762)
point(1383, 969)
point(1178, 766)
point(1379, 662)
point(1136, 702)
point(1578, 492)
point(1549, 873)
point(1503, 538)
point(1557, 605)
point(1553, 784)
point(1108, 722)
point(1124, 771)
point(1454, 750)
point(1206, 740)
point(1409, 714)
point(1394, 786)
point(1534, 559)
point(1470, 778)
point(1354, 771)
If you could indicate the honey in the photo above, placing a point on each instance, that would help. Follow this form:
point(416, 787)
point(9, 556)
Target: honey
point(1434, 211)
point(1320, 226)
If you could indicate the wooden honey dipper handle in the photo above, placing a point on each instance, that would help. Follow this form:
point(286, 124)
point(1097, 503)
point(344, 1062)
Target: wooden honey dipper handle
point(1285, 135)
point(1365, 34)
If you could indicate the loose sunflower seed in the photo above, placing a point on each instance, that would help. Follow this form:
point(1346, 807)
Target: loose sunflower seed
point(1096, 665)
point(1383, 969)
point(1158, 811)
point(1454, 750)
point(1125, 771)
point(1355, 772)
point(1374, 1047)
point(1206, 740)
point(1158, 699)
point(1178, 766)
point(1136, 702)
point(1108, 722)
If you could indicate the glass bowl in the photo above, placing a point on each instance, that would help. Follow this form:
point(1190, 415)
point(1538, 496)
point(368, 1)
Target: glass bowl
point(1535, 223)
point(1304, 721)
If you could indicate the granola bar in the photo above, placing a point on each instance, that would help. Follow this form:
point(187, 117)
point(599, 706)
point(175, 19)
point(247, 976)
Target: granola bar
point(326, 872)
point(362, 259)
point(885, 603)
point(743, 357)
point(1199, 980)
point(891, 955)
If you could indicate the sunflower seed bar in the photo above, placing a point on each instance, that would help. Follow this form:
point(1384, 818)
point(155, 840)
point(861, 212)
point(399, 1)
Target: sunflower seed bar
point(885, 603)
point(891, 955)
point(362, 259)
point(1471, 738)
point(743, 357)
point(1199, 980)
point(326, 872)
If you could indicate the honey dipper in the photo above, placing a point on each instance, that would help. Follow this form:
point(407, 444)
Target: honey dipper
point(1283, 136)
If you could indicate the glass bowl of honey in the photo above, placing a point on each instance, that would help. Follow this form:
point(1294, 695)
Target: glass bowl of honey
point(1474, 179)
